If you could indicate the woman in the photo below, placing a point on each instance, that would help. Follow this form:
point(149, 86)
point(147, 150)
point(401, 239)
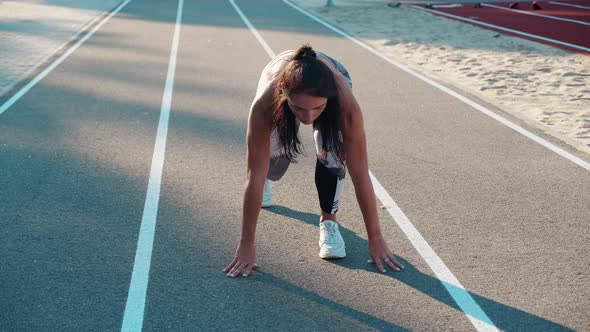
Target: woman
point(308, 87)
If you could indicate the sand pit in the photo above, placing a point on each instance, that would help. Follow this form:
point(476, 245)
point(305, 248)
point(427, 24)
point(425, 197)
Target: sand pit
point(542, 85)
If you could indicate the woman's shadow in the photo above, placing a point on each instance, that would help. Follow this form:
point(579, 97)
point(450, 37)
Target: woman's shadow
point(503, 316)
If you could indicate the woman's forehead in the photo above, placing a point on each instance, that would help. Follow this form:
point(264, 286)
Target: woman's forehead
point(304, 97)
point(306, 100)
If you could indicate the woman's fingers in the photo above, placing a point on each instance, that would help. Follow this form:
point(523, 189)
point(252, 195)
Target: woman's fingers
point(390, 261)
point(379, 265)
point(231, 265)
point(237, 266)
point(236, 270)
point(398, 264)
point(248, 270)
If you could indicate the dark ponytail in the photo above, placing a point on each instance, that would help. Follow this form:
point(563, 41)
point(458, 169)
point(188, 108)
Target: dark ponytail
point(305, 53)
point(305, 73)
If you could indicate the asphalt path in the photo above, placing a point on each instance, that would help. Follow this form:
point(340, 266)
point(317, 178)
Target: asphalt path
point(506, 215)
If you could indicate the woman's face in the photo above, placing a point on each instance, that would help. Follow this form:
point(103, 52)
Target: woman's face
point(306, 108)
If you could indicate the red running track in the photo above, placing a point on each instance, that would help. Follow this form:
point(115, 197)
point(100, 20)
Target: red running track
point(567, 32)
point(570, 13)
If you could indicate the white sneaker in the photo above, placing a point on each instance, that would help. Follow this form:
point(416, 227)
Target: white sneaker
point(331, 242)
point(267, 194)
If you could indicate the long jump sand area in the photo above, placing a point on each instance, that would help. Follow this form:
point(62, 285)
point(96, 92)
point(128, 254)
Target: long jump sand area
point(542, 85)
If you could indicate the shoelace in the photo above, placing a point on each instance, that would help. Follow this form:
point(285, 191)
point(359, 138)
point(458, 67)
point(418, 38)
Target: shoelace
point(330, 231)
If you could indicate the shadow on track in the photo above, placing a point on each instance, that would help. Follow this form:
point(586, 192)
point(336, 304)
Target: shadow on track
point(504, 316)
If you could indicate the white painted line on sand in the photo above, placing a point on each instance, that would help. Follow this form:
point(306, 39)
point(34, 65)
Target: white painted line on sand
point(59, 60)
point(135, 307)
point(472, 310)
point(568, 4)
point(548, 145)
point(535, 14)
point(518, 32)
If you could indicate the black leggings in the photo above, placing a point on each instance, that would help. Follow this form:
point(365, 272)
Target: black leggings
point(329, 185)
point(329, 172)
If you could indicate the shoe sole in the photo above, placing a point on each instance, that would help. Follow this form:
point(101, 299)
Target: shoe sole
point(332, 256)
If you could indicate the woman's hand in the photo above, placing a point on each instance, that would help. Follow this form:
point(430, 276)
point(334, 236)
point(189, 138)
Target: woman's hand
point(380, 254)
point(244, 261)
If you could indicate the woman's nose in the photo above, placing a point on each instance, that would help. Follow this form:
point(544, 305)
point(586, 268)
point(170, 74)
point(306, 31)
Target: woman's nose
point(307, 117)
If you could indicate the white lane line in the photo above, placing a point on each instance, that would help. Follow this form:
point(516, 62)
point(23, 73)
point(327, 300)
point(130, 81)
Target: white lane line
point(135, 307)
point(472, 310)
point(568, 4)
point(535, 14)
point(254, 31)
point(57, 62)
point(497, 27)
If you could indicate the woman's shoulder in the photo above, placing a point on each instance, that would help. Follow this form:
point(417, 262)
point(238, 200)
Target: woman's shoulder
point(279, 61)
point(351, 116)
point(271, 70)
point(261, 109)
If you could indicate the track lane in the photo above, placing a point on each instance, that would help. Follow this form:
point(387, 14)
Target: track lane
point(75, 159)
point(476, 169)
point(198, 222)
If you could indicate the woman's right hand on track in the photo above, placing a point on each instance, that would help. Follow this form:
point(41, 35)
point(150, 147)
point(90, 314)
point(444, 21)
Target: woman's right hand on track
point(244, 261)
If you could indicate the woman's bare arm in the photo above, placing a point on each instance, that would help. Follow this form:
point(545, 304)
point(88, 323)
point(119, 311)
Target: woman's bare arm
point(355, 148)
point(257, 161)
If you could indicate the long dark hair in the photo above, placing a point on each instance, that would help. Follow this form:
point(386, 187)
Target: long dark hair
point(305, 73)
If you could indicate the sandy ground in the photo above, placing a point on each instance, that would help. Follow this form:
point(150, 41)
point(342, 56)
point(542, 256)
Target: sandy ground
point(542, 85)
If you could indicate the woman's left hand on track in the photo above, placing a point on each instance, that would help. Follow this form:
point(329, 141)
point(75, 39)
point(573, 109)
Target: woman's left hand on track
point(381, 255)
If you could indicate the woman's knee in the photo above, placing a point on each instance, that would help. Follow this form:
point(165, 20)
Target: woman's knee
point(277, 168)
